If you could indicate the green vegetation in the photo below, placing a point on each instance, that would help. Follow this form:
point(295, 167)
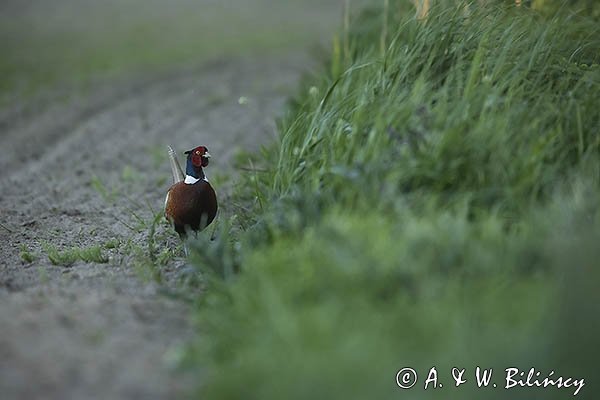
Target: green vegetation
point(26, 255)
point(550, 7)
point(434, 204)
point(107, 194)
point(112, 244)
point(151, 244)
point(150, 256)
point(71, 255)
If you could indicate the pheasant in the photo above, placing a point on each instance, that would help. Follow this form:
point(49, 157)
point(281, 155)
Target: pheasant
point(191, 202)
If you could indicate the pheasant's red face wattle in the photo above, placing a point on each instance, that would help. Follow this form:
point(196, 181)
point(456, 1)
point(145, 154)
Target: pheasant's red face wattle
point(200, 156)
point(196, 158)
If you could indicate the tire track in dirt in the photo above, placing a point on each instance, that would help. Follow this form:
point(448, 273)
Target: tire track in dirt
point(98, 330)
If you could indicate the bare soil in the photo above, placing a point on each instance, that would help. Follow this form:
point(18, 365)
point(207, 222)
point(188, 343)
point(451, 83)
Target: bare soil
point(77, 172)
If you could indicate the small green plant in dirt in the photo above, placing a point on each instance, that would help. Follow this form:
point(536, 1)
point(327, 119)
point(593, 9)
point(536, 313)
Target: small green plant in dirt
point(112, 244)
point(106, 193)
point(68, 257)
point(26, 254)
point(149, 248)
point(151, 255)
point(128, 174)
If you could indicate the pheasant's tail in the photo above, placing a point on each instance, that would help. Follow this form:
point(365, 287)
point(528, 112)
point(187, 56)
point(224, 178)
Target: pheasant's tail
point(175, 167)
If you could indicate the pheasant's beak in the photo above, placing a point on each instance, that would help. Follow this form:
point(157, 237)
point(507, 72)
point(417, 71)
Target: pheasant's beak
point(207, 155)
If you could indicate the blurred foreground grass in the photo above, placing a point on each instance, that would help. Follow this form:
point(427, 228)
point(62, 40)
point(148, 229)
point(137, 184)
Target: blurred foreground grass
point(44, 43)
point(434, 204)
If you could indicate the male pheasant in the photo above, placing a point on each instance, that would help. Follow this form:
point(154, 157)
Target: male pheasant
point(191, 203)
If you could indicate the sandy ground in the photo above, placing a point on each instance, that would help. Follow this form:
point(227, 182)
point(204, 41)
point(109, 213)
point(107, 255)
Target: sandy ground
point(99, 331)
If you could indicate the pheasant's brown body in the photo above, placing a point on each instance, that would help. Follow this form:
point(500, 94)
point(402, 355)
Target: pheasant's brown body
point(191, 203)
point(191, 206)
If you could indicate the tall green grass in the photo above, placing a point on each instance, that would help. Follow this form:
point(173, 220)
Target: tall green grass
point(434, 205)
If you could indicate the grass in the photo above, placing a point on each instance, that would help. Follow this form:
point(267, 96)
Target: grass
point(107, 194)
point(70, 256)
point(26, 255)
point(151, 244)
point(434, 205)
point(154, 256)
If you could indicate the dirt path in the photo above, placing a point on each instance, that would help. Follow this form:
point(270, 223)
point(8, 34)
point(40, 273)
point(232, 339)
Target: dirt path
point(73, 174)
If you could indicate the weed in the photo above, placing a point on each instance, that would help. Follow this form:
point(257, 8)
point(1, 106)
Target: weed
point(71, 255)
point(26, 255)
point(128, 174)
point(155, 252)
point(112, 244)
point(92, 254)
point(106, 193)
